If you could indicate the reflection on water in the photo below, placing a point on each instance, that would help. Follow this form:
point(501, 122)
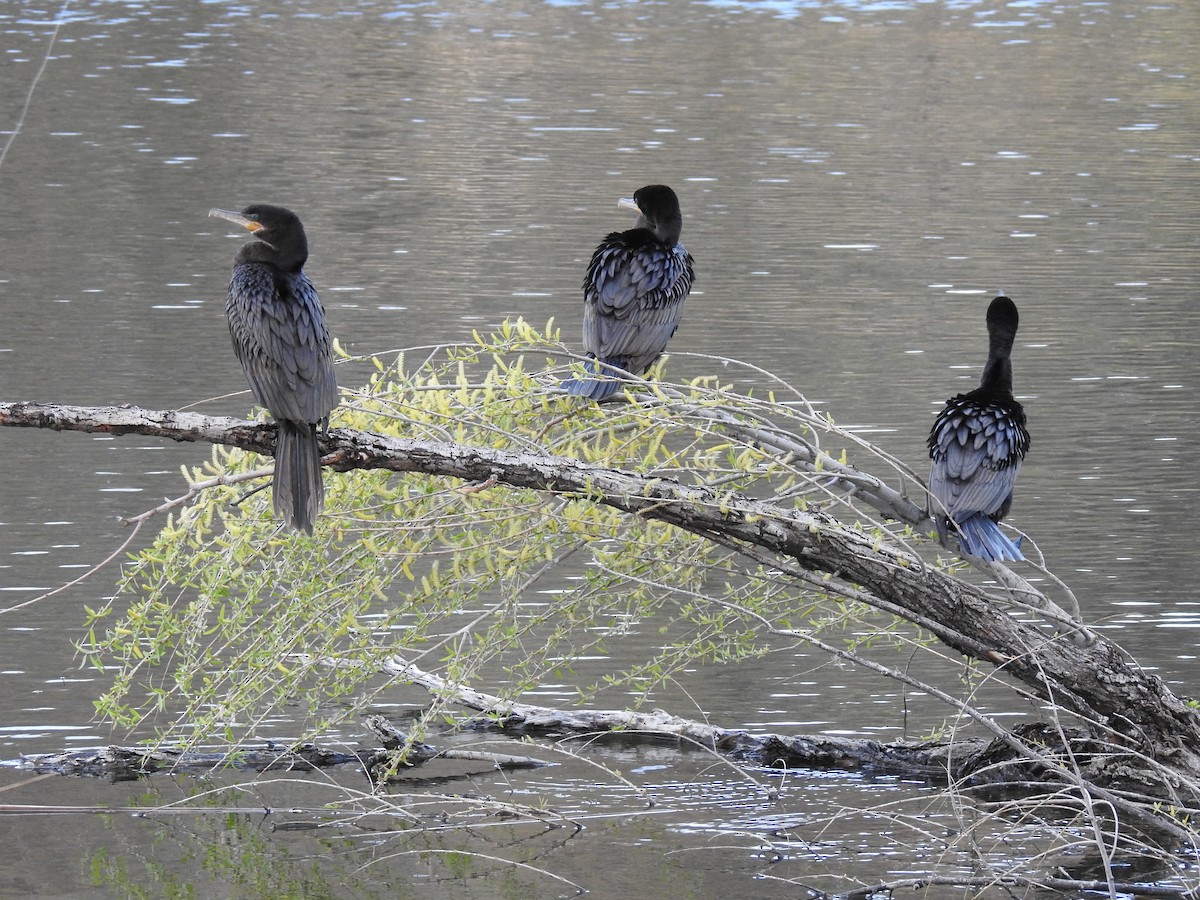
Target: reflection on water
point(857, 178)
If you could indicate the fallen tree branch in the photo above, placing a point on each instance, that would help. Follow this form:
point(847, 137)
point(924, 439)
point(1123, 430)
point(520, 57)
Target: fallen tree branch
point(1029, 758)
point(123, 763)
point(971, 762)
point(127, 763)
point(1091, 678)
point(400, 749)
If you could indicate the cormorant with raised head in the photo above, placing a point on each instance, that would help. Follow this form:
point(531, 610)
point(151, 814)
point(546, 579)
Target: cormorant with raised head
point(280, 337)
point(633, 293)
point(977, 444)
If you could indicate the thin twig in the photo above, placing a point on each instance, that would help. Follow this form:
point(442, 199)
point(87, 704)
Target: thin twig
point(86, 575)
point(33, 85)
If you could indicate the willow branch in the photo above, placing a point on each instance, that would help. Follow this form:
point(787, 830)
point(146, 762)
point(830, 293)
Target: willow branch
point(1094, 679)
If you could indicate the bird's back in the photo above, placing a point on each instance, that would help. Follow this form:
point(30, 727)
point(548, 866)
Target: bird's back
point(280, 337)
point(977, 444)
point(633, 298)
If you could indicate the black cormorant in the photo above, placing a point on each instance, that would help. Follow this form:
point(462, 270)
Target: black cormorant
point(633, 293)
point(279, 335)
point(977, 444)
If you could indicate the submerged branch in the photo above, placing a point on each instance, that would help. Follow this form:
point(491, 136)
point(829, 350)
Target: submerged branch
point(135, 762)
point(930, 760)
point(1031, 758)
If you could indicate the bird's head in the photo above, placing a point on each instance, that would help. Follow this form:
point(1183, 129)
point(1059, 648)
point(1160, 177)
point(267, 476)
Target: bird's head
point(658, 211)
point(275, 226)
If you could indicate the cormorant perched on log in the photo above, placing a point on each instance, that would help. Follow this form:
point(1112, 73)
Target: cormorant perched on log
point(279, 335)
point(633, 293)
point(977, 444)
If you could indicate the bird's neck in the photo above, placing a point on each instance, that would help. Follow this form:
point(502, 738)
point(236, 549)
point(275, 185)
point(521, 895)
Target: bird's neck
point(668, 232)
point(997, 376)
point(635, 238)
point(286, 259)
point(665, 231)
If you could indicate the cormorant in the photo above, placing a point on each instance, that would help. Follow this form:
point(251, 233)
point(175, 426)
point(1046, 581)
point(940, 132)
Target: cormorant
point(280, 337)
point(633, 293)
point(977, 444)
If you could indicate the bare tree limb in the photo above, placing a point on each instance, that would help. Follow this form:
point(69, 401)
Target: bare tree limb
point(931, 760)
point(1091, 678)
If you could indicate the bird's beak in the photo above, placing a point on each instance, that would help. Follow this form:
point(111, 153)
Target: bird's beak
point(237, 218)
point(628, 203)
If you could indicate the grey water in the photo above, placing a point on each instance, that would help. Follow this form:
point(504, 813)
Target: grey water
point(858, 179)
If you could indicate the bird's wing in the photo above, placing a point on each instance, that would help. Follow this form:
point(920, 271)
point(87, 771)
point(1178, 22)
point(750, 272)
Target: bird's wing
point(633, 299)
point(988, 492)
point(312, 359)
point(976, 450)
point(279, 335)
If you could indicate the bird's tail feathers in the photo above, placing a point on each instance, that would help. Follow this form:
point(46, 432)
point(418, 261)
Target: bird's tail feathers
point(980, 536)
point(298, 492)
point(594, 388)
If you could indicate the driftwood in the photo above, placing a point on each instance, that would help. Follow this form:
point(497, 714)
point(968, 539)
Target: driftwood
point(974, 763)
point(968, 761)
point(931, 760)
point(820, 751)
point(127, 763)
point(400, 750)
point(1149, 734)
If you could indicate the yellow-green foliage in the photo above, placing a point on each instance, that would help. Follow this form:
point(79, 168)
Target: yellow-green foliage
point(225, 619)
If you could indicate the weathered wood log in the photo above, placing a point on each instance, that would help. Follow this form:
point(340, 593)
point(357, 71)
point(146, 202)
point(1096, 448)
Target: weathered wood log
point(1123, 706)
point(400, 750)
point(1026, 761)
point(929, 760)
point(128, 763)
point(966, 762)
point(971, 762)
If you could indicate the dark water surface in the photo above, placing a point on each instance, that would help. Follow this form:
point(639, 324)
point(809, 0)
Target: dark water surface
point(858, 179)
